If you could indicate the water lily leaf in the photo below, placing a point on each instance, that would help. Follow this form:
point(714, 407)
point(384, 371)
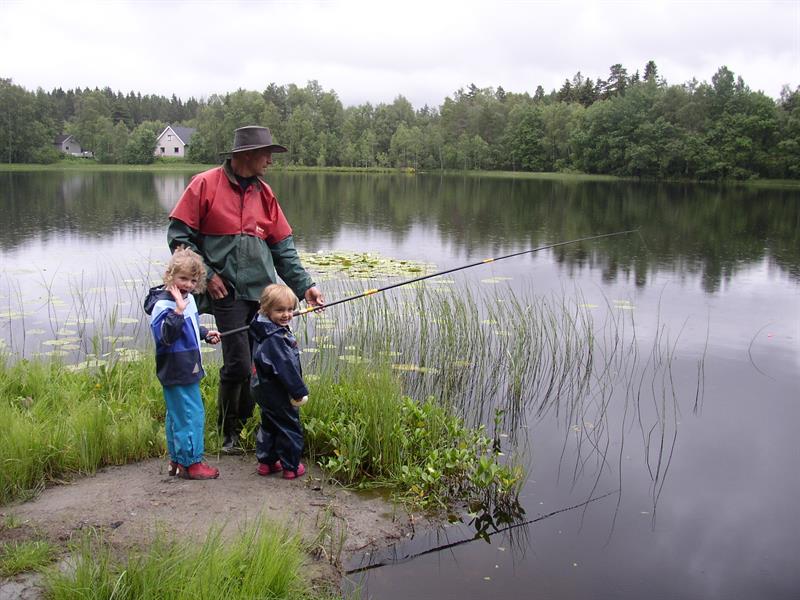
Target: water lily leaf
point(61, 342)
point(352, 358)
point(91, 363)
point(118, 338)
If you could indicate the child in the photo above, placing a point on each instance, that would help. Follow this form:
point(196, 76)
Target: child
point(277, 384)
point(177, 333)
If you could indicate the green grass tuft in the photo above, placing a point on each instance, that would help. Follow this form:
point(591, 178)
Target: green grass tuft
point(18, 557)
point(264, 561)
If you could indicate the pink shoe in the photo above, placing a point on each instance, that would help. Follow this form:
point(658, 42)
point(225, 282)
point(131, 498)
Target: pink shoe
point(301, 469)
point(198, 470)
point(172, 470)
point(264, 469)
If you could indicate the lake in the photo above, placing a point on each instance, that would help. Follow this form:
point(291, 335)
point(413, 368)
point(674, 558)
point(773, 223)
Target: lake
point(683, 484)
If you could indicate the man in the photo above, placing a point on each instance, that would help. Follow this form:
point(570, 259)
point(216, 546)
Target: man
point(230, 217)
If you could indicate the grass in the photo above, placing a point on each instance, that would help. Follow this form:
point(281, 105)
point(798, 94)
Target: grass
point(57, 423)
point(264, 561)
point(18, 557)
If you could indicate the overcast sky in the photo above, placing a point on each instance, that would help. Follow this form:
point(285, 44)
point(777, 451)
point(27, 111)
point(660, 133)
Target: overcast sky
point(375, 51)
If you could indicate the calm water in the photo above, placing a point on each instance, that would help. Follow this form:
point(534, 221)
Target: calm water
point(714, 274)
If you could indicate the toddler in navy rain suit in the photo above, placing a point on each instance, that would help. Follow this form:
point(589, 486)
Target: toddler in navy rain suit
point(277, 384)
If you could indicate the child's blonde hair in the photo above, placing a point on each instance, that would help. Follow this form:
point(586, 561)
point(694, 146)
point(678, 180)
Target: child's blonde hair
point(186, 262)
point(274, 293)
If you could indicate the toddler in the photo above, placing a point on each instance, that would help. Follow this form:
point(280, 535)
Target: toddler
point(277, 384)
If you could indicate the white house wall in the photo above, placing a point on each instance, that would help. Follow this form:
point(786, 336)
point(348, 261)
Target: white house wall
point(171, 147)
point(70, 146)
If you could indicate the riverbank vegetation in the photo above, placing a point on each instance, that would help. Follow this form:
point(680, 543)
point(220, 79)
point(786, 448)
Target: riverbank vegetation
point(264, 561)
point(631, 125)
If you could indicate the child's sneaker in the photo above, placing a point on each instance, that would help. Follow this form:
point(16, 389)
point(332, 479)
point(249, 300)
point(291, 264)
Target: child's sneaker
point(265, 469)
point(172, 470)
point(198, 470)
point(301, 469)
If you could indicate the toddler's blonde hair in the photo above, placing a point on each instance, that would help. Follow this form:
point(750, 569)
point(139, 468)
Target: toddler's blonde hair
point(185, 261)
point(274, 293)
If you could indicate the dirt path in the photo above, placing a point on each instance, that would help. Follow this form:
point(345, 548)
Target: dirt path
point(130, 502)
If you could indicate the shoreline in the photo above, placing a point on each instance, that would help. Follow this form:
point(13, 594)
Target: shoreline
point(131, 503)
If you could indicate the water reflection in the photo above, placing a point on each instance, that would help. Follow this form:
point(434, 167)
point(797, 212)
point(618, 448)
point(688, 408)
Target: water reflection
point(692, 229)
point(696, 425)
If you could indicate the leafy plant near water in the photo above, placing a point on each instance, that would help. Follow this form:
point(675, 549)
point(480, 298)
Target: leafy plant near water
point(264, 561)
point(365, 432)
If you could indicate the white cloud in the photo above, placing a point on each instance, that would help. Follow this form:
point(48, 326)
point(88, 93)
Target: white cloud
point(374, 51)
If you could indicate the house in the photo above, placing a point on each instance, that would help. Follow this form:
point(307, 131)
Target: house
point(68, 145)
point(174, 141)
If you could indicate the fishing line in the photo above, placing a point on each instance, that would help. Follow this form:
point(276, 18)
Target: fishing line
point(485, 261)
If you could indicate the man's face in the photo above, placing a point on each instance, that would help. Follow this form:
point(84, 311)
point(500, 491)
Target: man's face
point(259, 160)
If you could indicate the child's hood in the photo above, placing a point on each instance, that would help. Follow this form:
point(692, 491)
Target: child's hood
point(261, 328)
point(154, 295)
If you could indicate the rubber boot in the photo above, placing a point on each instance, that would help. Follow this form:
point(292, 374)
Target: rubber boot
point(228, 417)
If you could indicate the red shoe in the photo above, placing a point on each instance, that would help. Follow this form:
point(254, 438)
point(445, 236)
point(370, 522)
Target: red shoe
point(172, 470)
point(264, 469)
point(301, 469)
point(198, 470)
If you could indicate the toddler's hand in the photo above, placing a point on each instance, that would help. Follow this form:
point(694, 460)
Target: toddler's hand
point(300, 401)
point(212, 337)
point(180, 303)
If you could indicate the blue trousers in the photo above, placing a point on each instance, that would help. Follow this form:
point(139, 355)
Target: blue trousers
point(185, 423)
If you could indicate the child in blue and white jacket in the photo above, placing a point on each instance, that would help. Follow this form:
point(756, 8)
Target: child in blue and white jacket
point(177, 333)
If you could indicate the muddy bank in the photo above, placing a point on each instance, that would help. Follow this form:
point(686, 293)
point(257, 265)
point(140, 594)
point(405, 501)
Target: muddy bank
point(129, 504)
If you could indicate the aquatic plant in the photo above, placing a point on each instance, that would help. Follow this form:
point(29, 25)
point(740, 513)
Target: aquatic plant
point(363, 431)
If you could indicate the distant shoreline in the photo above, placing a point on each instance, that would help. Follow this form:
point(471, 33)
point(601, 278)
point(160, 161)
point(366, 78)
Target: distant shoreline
point(188, 167)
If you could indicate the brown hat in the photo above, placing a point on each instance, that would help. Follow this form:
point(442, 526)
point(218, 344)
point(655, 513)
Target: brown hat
point(253, 137)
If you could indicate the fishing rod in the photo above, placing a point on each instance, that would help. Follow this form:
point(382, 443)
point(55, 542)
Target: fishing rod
point(370, 292)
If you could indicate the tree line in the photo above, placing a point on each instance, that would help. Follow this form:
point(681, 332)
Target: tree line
point(626, 125)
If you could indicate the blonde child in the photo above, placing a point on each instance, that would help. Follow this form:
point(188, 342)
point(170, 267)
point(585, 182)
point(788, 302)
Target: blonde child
point(177, 333)
point(277, 384)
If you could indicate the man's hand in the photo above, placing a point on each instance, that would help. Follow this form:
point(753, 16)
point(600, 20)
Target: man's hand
point(212, 337)
point(216, 287)
point(314, 297)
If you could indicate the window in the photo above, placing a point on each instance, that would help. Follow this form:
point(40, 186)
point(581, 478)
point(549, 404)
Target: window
point(177, 150)
point(162, 149)
point(169, 137)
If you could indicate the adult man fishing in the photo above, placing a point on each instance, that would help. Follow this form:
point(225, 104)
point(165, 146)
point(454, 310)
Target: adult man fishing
point(230, 217)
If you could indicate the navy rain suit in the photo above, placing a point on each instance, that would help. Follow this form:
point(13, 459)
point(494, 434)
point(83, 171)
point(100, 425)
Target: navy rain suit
point(277, 378)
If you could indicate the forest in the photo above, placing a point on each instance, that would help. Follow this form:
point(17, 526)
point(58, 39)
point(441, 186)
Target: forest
point(624, 125)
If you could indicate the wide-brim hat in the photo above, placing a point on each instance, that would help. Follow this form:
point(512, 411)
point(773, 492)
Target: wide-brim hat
point(254, 137)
